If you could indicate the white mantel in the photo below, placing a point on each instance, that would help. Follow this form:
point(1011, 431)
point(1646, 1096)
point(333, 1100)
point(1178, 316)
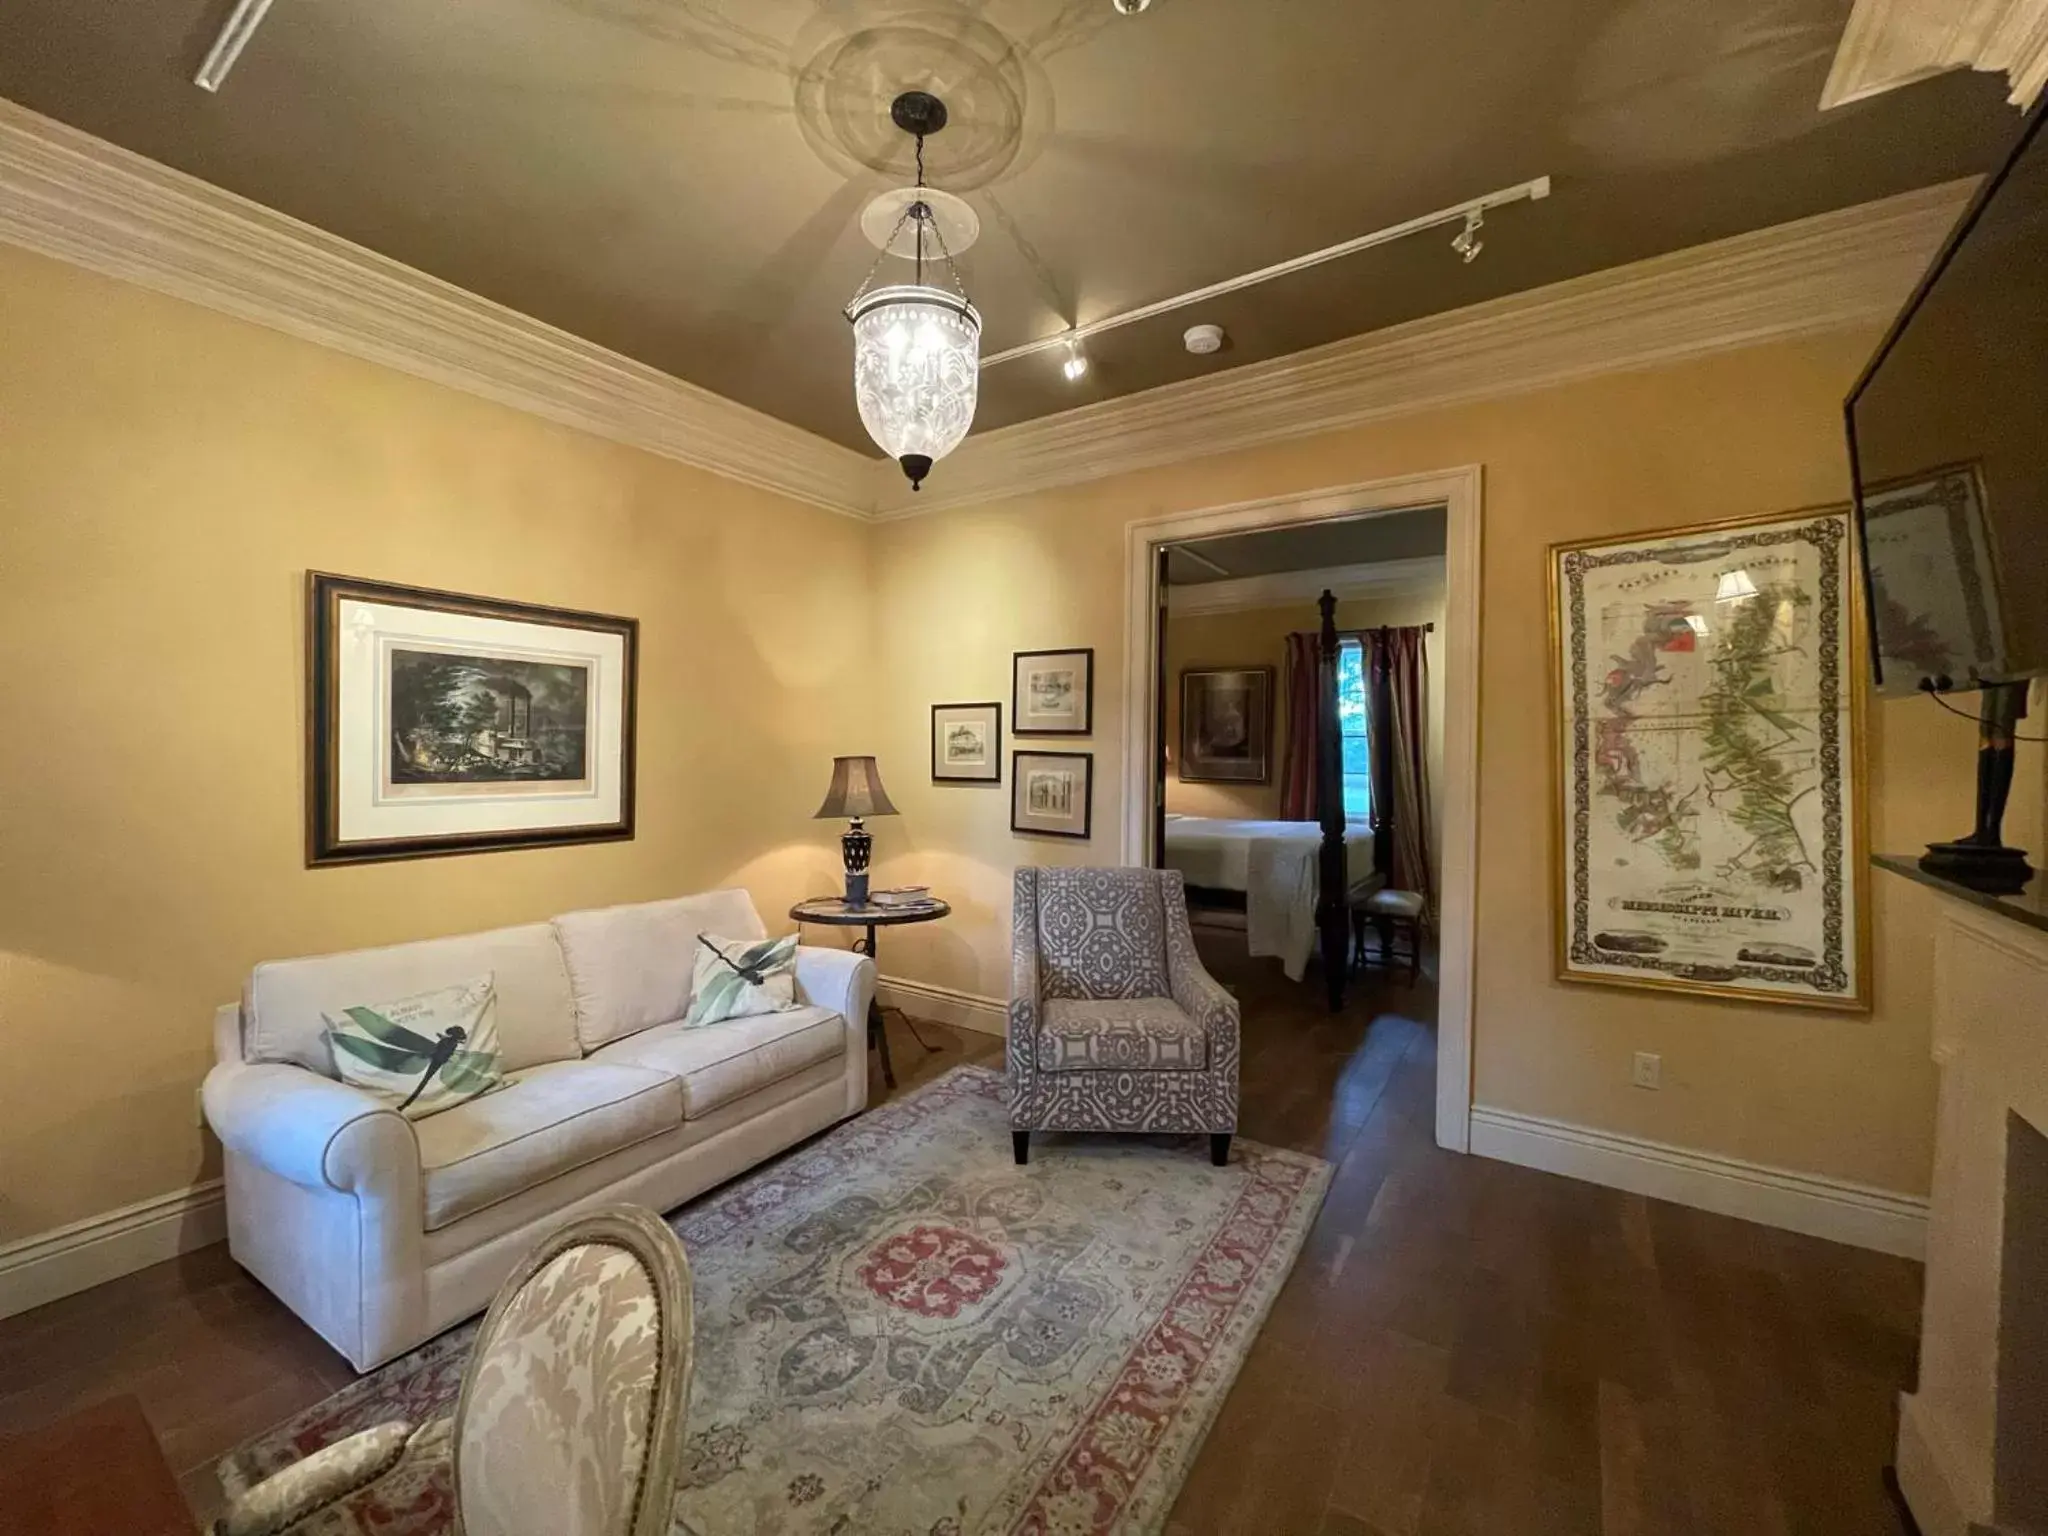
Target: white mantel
point(1991, 1043)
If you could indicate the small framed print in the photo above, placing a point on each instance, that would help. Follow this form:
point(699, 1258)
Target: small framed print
point(1052, 693)
point(1052, 794)
point(441, 723)
point(1226, 725)
point(967, 743)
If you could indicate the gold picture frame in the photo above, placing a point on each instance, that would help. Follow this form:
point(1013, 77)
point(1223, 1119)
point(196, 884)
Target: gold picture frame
point(1770, 920)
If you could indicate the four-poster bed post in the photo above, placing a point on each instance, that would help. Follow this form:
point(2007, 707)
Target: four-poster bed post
point(1333, 879)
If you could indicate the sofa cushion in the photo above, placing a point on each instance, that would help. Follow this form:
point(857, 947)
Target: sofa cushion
point(545, 1121)
point(630, 967)
point(1144, 1034)
point(421, 1054)
point(718, 1063)
point(284, 1003)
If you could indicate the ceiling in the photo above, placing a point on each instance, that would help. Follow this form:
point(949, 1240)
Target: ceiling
point(1328, 544)
point(680, 180)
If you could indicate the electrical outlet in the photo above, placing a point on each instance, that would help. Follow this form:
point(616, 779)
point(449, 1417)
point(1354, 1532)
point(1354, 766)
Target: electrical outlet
point(1649, 1070)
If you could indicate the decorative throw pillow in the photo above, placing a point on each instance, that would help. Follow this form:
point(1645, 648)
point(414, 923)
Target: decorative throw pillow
point(737, 978)
point(425, 1053)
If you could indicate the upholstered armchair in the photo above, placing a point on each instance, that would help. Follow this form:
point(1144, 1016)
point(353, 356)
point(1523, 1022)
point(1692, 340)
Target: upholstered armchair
point(1114, 1025)
point(571, 1410)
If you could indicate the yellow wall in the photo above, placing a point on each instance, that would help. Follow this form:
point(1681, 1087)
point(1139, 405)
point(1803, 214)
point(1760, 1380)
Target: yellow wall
point(1751, 432)
point(1257, 637)
point(167, 476)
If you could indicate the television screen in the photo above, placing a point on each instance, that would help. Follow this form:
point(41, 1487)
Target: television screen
point(1948, 434)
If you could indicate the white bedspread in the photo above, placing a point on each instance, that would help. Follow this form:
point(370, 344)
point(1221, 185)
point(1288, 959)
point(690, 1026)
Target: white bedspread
point(1274, 864)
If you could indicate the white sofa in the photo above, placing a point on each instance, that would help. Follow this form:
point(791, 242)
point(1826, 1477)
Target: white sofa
point(381, 1231)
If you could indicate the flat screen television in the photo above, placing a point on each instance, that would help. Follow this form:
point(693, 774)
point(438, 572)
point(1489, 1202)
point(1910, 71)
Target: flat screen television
point(1948, 440)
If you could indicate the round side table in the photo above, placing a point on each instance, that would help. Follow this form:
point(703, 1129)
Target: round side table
point(833, 912)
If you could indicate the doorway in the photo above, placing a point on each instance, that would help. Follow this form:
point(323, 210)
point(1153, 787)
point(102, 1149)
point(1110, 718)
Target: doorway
point(1320, 515)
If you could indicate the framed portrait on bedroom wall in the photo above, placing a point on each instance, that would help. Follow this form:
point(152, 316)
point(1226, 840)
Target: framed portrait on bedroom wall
point(1709, 821)
point(967, 743)
point(1052, 693)
point(441, 723)
point(1226, 725)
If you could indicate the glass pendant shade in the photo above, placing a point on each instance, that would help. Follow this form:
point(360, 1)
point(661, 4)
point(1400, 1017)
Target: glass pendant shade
point(916, 372)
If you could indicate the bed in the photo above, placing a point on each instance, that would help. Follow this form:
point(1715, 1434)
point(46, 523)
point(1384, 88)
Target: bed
point(1273, 866)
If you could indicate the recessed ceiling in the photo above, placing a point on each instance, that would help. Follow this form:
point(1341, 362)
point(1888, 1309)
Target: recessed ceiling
point(681, 180)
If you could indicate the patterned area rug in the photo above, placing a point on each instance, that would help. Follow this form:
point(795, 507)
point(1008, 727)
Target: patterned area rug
point(901, 1331)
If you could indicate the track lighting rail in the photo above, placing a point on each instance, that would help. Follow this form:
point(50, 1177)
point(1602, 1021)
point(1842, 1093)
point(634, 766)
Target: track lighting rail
point(1457, 213)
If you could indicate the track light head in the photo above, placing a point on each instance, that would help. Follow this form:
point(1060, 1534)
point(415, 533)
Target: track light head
point(1467, 243)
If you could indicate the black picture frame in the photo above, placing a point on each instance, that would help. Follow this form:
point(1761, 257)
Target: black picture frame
point(1085, 660)
point(1019, 786)
point(1194, 767)
point(994, 775)
point(325, 593)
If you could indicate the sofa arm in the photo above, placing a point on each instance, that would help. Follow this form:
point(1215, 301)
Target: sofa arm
point(837, 979)
point(309, 1129)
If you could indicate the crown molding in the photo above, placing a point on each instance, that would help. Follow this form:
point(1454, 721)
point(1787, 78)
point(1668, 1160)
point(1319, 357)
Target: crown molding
point(1847, 268)
point(66, 194)
point(1889, 43)
point(1380, 578)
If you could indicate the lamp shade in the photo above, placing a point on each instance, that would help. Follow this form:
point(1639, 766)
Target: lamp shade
point(856, 790)
point(916, 352)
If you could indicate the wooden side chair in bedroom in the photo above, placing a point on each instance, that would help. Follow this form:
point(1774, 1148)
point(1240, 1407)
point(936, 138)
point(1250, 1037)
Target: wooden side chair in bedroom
point(571, 1411)
point(1392, 916)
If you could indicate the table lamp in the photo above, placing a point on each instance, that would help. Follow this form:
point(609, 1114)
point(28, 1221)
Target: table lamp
point(856, 791)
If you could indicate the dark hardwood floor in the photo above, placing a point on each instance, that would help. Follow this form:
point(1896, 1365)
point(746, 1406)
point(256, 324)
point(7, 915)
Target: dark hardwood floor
point(1464, 1346)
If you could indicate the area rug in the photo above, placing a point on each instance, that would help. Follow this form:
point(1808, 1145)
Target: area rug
point(901, 1331)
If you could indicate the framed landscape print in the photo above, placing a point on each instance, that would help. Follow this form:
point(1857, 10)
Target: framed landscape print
point(967, 743)
point(1052, 693)
point(1709, 686)
point(1226, 725)
point(1052, 794)
point(448, 724)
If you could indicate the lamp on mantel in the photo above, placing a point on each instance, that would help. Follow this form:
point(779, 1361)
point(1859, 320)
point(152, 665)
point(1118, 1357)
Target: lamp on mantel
point(856, 792)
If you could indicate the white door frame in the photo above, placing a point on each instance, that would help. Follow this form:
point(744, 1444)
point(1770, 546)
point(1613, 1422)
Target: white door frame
point(1459, 492)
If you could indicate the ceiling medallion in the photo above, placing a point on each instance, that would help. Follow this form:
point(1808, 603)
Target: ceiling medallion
point(916, 346)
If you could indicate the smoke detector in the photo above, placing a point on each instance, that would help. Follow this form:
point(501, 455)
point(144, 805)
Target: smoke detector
point(1204, 339)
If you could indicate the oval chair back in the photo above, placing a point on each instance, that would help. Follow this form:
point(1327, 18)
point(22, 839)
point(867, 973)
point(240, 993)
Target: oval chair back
point(571, 1413)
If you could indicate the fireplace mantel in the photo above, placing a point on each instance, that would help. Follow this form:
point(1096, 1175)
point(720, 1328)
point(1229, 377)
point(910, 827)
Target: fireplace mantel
point(1971, 1444)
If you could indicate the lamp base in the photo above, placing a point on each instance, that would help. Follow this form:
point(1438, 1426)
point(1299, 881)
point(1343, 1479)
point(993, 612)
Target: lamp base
point(1994, 870)
point(856, 888)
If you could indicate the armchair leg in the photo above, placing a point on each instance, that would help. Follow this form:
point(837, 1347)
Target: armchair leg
point(1219, 1148)
point(1020, 1143)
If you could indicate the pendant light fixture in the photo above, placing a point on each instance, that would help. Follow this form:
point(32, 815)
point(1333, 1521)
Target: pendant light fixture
point(916, 346)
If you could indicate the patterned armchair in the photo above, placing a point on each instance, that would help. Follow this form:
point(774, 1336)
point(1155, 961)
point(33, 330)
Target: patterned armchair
point(1114, 1025)
point(571, 1411)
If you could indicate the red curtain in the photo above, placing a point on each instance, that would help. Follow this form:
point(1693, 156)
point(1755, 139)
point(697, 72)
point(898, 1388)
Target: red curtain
point(1402, 658)
point(1304, 726)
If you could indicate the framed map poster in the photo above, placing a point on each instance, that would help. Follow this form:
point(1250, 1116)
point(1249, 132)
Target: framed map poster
point(1709, 709)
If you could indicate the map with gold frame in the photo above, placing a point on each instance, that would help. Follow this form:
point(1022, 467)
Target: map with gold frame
point(1708, 687)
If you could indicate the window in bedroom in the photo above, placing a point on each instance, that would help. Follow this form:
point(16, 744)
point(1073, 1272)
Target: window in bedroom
point(1354, 716)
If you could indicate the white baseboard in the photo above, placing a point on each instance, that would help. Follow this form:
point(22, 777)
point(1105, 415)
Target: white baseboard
point(1777, 1197)
point(944, 1005)
point(101, 1248)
